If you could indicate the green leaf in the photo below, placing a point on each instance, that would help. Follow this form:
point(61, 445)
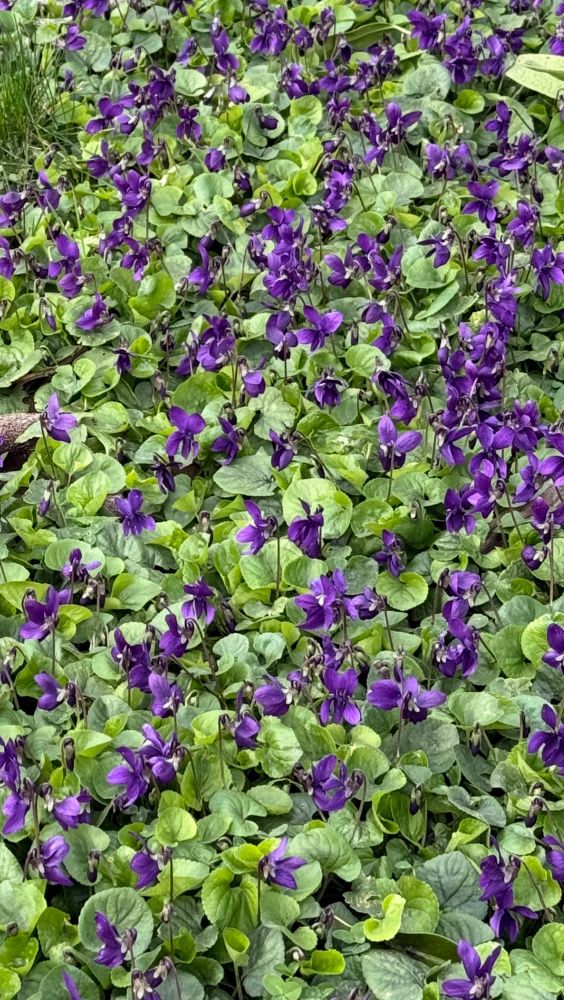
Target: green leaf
point(534, 642)
point(392, 976)
point(278, 910)
point(21, 905)
point(10, 868)
point(483, 807)
point(278, 748)
point(72, 458)
point(18, 953)
point(123, 907)
point(174, 826)
point(534, 973)
point(10, 984)
point(82, 840)
point(470, 101)
point(87, 494)
point(548, 947)
point(228, 905)
point(265, 954)
point(534, 882)
point(324, 963)
point(250, 476)
point(531, 77)
point(386, 927)
point(237, 945)
point(403, 593)
point(133, 591)
point(156, 293)
point(454, 881)
point(330, 848)
point(421, 913)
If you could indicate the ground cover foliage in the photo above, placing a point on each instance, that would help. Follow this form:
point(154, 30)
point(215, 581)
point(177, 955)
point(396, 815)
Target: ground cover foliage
point(281, 506)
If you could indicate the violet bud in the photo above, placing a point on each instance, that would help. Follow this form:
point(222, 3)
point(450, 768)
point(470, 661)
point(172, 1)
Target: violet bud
point(415, 800)
point(476, 740)
point(535, 809)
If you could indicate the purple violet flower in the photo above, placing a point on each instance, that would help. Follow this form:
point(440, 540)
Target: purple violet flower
point(42, 618)
point(71, 987)
point(339, 706)
point(116, 947)
point(133, 522)
point(199, 605)
point(305, 532)
point(479, 979)
point(55, 423)
point(182, 439)
point(258, 531)
point(276, 869)
point(406, 694)
point(48, 858)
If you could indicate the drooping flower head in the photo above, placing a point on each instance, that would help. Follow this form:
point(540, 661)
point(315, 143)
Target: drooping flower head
point(276, 869)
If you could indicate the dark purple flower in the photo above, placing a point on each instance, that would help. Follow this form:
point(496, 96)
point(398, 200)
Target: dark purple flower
point(339, 706)
point(229, 442)
point(549, 741)
point(305, 532)
point(245, 730)
point(391, 553)
point(174, 641)
point(95, 315)
point(47, 860)
point(326, 602)
point(72, 810)
point(275, 869)
point(427, 29)
point(134, 660)
point(504, 921)
point(482, 200)
point(133, 522)
point(497, 878)
point(274, 697)
point(132, 774)
point(188, 126)
point(116, 947)
point(215, 160)
point(165, 697)
point(457, 510)
point(71, 987)
point(555, 856)
point(555, 656)
point(479, 979)
point(54, 693)
point(523, 226)
point(42, 618)
point(406, 694)
point(147, 866)
point(329, 791)
point(15, 808)
point(322, 325)
point(55, 423)
point(163, 757)
point(165, 472)
point(258, 532)
point(285, 448)
point(548, 267)
point(327, 389)
point(395, 447)
point(199, 604)
point(182, 439)
point(77, 571)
